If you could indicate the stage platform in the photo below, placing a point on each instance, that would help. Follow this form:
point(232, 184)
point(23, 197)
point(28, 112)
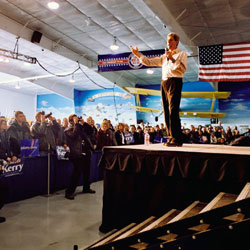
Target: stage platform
point(145, 180)
point(198, 148)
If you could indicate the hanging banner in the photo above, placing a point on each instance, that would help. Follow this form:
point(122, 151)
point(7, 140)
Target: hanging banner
point(124, 61)
point(29, 147)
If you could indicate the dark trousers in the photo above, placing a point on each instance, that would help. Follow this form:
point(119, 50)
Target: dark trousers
point(81, 166)
point(171, 98)
point(4, 191)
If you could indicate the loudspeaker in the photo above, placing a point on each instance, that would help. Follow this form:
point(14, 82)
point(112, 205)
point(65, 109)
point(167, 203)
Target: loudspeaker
point(156, 118)
point(36, 37)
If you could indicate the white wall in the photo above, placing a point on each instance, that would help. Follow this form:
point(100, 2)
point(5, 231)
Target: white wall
point(11, 101)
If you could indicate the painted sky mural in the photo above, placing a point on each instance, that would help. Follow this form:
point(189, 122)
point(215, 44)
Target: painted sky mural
point(112, 104)
point(59, 106)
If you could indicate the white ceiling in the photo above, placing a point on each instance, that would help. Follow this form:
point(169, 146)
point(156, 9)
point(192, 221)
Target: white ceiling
point(81, 29)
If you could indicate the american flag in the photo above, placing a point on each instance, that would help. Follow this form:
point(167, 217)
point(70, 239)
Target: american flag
point(229, 62)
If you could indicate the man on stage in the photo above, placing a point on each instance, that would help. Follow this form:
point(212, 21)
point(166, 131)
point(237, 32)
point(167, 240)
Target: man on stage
point(174, 64)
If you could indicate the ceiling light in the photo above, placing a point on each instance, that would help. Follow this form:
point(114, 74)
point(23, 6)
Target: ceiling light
point(72, 80)
point(26, 64)
point(150, 71)
point(114, 46)
point(53, 5)
point(17, 86)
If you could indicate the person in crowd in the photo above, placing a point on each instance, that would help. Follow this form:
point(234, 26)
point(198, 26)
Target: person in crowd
point(152, 134)
point(103, 136)
point(128, 135)
point(120, 136)
point(65, 123)
point(45, 132)
point(111, 132)
point(92, 133)
point(134, 134)
point(174, 64)
point(80, 147)
point(140, 135)
point(213, 138)
point(5, 152)
point(193, 135)
point(60, 136)
point(217, 132)
point(18, 131)
point(205, 135)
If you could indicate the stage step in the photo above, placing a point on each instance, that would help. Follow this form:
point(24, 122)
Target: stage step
point(112, 237)
point(136, 229)
point(245, 193)
point(163, 220)
point(191, 210)
point(220, 200)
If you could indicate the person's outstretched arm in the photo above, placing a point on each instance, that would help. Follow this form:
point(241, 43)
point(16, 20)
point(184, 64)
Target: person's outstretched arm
point(155, 61)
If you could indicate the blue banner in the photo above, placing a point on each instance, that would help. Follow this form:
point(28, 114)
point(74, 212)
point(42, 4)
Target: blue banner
point(124, 61)
point(29, 147)
point(60, 152)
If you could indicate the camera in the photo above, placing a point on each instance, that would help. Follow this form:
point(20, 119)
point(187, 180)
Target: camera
point(46, 116)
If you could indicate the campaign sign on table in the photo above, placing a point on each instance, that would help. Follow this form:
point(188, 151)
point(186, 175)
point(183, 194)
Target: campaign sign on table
point(29, 147)
point(11, 169)
point(60, 152)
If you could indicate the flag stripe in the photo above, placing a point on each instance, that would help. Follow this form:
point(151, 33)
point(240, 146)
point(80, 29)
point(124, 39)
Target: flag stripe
point(225, 74)
point(236, 55)
point(223, 79)
point(225, 68)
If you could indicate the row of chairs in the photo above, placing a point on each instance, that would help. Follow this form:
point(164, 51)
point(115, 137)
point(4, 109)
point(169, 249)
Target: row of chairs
point(211, 223)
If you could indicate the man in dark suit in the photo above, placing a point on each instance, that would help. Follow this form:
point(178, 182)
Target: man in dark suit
point(80, 154)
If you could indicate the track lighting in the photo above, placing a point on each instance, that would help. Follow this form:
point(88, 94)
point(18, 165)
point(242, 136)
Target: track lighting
point(17, 86)
point(114, 46)
point(72, 80)
point(150, 71)
point(53, 5)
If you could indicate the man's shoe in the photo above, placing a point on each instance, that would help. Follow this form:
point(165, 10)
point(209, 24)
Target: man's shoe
point(168, 142)
point(2, 219)
point(174, 144)
point(88, 191)
point(70, 196)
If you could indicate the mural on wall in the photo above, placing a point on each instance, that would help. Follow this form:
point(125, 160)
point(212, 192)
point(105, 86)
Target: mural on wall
point(237, 106)
point(112, 104)
point(59, 106)
point(187, 104)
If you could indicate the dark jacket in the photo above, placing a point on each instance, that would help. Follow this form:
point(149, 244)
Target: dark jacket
point(103, 139)
point(18, 133)
point(4, 145)
point(44, 133)
point(78, 141)
point(118, 137)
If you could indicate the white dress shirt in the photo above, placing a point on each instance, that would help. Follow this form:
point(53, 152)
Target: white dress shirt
point(169, 68)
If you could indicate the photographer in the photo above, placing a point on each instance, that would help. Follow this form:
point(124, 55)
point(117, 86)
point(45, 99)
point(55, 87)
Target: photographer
point(43, 131)
point(18, 131)
point(80, 154)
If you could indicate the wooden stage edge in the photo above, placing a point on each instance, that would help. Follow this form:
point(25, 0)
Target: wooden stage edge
point(197, 148)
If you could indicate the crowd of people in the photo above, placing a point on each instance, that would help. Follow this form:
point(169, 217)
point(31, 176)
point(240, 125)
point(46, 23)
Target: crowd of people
point(83, 137)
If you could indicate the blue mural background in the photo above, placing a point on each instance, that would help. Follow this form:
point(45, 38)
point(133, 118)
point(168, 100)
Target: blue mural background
point(60, 106)
point(112, 104)
point(237, 106)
